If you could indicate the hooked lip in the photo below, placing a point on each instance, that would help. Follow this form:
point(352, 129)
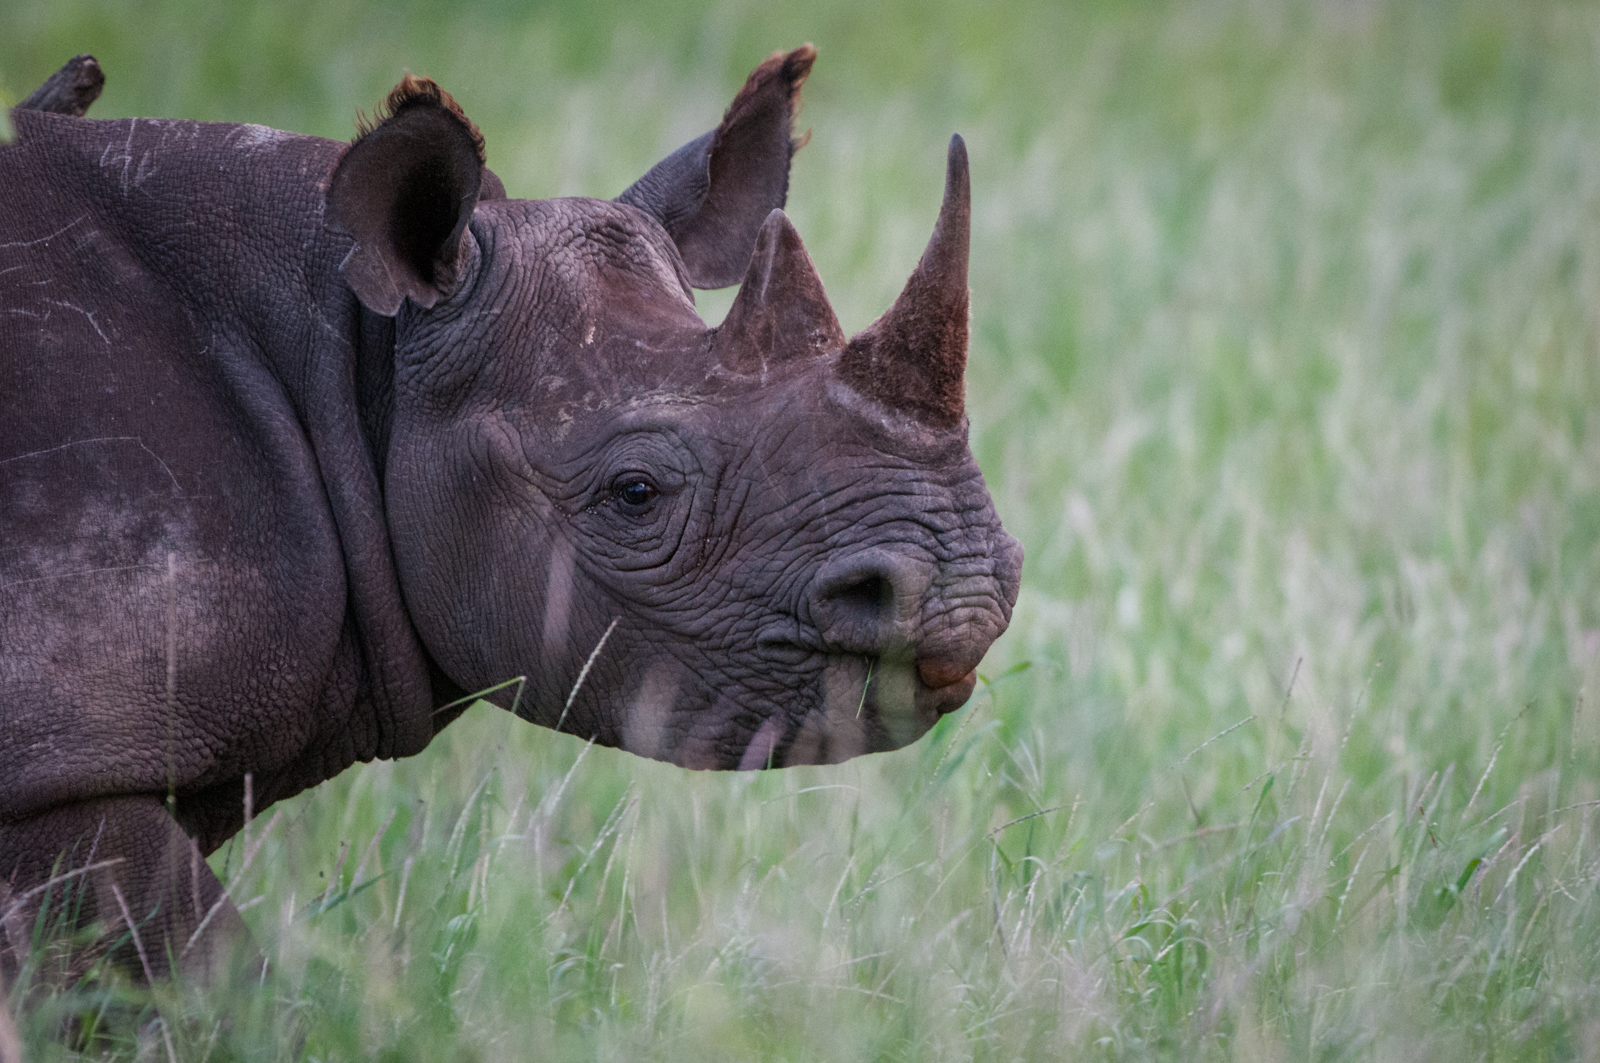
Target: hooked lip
point(940, 689)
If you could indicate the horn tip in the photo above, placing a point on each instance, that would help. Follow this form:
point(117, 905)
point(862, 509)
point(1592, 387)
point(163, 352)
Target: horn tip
point(956, 161)
point(776, 226)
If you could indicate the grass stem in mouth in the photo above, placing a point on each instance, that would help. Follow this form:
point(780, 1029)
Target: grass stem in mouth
point(863, 702)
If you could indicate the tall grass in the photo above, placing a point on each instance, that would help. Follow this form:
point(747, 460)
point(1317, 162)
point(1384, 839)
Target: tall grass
point(1285, 364)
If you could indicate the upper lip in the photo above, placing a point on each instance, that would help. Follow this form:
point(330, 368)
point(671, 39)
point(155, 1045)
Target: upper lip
point(940, 672)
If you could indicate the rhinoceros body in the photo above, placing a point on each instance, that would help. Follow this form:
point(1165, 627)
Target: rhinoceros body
point(301, 443)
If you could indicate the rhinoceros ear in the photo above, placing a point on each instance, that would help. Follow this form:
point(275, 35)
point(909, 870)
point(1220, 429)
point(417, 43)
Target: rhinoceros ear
point(69, 90)
point(713, 193)
point(405, 191)
point(781, 312)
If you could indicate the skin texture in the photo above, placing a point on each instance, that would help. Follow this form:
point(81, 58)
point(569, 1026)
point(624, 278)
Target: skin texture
point(301, 442)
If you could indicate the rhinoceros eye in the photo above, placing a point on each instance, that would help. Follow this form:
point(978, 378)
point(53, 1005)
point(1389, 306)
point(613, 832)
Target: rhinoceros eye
point(634, 493)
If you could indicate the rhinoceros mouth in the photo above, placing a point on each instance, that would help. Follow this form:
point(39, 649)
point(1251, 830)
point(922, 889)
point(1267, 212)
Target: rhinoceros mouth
point(861, 705)
point(928, 703)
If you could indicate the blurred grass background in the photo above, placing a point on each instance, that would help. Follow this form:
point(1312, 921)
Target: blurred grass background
point(1284, 370)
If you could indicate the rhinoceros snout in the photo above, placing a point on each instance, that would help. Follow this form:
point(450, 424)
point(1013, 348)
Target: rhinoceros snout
point(883, 603)
point(962, 618)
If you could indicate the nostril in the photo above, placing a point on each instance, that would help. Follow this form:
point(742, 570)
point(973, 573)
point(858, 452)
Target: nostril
point(868, 596)
point(855, 611)
point(857, 603)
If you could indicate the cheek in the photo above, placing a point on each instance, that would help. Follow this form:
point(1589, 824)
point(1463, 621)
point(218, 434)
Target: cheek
point(550, 593)
point(648, 726)
point(650, 563)
point(543, 617)
point(488, 586)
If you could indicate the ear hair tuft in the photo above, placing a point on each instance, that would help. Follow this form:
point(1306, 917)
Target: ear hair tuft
point(413, 91)
point(714, 193)
point(790, 68)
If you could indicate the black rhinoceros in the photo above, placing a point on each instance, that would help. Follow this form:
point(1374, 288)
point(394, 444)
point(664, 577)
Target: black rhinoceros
point(301, 443)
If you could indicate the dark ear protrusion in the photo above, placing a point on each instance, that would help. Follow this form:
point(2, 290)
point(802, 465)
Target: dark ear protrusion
point(69, 90)
point(405, 191)
point(914, 357)
point(491, 188)
point(713, 193)
point(781, 312)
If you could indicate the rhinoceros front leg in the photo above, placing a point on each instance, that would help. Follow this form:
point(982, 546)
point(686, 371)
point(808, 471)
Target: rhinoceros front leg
point(125, 863)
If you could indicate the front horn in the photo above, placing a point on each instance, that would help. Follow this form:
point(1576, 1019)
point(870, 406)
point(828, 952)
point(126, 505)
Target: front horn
point(914, 358)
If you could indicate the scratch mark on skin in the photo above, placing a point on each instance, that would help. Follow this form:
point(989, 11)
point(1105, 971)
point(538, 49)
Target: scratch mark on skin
point(251, 136)
point(127, 153)
point(86, 313)
point(69, 575)
point(29, 313)
point(126, 158)
point(42, 239)
point(101, 439)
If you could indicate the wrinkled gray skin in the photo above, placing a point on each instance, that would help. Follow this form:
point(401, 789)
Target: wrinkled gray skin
point(281, 480)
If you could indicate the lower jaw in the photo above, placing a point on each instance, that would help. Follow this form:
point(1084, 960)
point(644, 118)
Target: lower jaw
point(904, 719)
point(891, 710)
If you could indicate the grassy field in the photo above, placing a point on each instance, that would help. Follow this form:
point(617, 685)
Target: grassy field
point(1286, 371)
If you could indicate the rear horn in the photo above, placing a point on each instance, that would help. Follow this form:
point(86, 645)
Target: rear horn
point(781, 312)
point(914, 358)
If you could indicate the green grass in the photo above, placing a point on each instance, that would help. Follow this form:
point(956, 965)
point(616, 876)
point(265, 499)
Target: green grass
point(1286, 371)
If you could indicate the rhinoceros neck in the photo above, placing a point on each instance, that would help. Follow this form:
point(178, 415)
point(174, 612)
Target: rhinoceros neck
point(229, 218)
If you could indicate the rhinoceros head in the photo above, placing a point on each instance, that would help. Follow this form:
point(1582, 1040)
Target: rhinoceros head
point(758, 544)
